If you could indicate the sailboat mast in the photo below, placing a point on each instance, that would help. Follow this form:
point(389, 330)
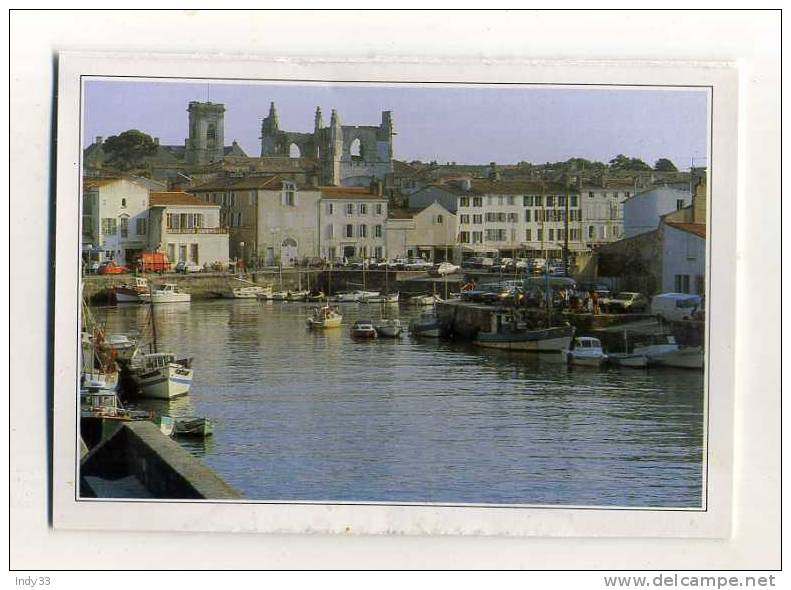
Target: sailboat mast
point(153, 321)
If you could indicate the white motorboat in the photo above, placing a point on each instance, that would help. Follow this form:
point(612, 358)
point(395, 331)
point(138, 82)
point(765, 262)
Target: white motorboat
point(350, 297)
point(279, 296)
point(323, 318)
point(387, 298)
point(160, 375)
point(130, 293)
point(389, 328)
point(425, 300)
point(298, 295)
point(248, 292)
point(168, 293)
point(427, 325)
point(587, 352)
point(363, 329)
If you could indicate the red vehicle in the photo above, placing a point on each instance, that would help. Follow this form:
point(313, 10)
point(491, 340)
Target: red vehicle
point(111, 268)
point(153, 261)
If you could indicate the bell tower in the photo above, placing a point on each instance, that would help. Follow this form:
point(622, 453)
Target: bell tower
point(206, 142)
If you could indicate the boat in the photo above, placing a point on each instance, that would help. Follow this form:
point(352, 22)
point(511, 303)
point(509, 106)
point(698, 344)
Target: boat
point(122, 347)
point(388, 298)
point(627, 359)
point(427, 325)
point(666, 352)
point(130, 293)
point(160, 375)
point(507, 333)
point(363, 329)
point(316, 296)
point(425, 300)
point(248, 292)
point(587, 351)
point(98, 403)
point(389, 328)
point(324, 317)
point(168, 293)
point(297, 296)
point(192, 426)
point(279, 296)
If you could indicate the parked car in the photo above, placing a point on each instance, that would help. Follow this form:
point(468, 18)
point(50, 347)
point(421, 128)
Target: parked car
point(627, 302)
point(418, 264)
point(111, 268)
point(186, 266)
point(444, 268)
point(537, 264)
point(675, 306)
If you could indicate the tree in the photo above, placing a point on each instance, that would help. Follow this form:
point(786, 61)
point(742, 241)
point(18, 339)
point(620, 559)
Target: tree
point(622, 162)
point(665, 165)
point(127, 150)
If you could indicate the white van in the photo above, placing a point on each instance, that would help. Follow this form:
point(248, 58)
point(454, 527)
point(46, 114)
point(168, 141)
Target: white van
point(672, 307)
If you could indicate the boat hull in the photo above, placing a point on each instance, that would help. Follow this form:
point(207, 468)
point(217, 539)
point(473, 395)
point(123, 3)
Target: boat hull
point(680, 359)
point(166, 298)
point(547, 340)
point(247, 293)
point(127, 296)
point(628, 360)
point(165, 382)
point(324, 324)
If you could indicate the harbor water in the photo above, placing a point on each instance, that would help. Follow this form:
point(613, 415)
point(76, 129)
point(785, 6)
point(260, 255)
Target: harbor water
point(317, 416)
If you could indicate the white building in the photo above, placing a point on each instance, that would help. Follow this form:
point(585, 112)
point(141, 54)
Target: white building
point(684, 257)
point(114, 219)
point(642, 212)
point(510, 217)
point(352, 223)
point(603, 211)
point(428, 233)
point(187, 228)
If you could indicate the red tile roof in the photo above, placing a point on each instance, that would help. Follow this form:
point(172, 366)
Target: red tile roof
point(699, 229)
point(178, 198)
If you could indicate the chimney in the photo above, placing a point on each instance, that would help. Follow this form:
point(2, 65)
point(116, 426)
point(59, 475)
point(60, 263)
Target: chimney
point(466, 183)
point(493, 172)
point(699, 201)
point(99, 140)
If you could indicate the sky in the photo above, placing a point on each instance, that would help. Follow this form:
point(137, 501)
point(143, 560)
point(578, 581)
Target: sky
point(503, 124)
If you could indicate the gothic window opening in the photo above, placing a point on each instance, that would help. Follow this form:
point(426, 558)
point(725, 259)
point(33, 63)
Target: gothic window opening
point(294, 151)
point(211, 134)
point(356, 149)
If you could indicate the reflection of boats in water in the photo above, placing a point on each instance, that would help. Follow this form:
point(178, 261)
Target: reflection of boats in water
point(324, 317)
point(587, 352)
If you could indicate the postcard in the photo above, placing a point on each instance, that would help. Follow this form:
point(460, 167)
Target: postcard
point(394, 297)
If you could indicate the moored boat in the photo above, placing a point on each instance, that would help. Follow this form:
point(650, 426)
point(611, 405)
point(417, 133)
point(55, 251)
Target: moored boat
point(587, 352)
point(427, 325)
point(192, 426)
point(627, 359)
point(425, 300)
point(324, 317)
point(389, 328)
point(668, 353)
point(363, 329)
point(168, 293)
point(160, 375)
point(248, 292)
point(130, 292)
point(297, 295)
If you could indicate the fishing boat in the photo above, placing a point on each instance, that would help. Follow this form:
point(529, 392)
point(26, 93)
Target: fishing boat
point(192, 426)
point(587, 352)
point(316, 296)
point(279, 296)
point(508, 333)
point(98, 403)
point(324, 317)
point(388, 298)
point(363, 329)
point(389, 328)
point(248, 292)
point(168, 293)
point(627, 359)
point(427, 325)
point(298, 295)
point(425, 300)
point(666, 352)
point(160, 375)
point(130, 293)
point(122, 347)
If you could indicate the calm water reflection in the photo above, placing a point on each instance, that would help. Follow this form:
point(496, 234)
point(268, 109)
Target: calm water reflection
point(318, 416)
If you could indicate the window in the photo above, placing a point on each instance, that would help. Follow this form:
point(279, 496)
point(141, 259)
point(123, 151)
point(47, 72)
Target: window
point(289, 194)
point(489, 200)
point(490, 235)
point(682, 283)
point(538, 201)
point(561, 201)
point(527, 215)
point(377, 231)
point(591, 230)
point(604, 194)
point(194, 253)
point(439, 219)
point(464, 237)
point(379, 208)
point(513, 235)
point(232, 202)
point(330, 208)
point(477, 219)
point(464, 218)
point(363, 209)
point(141, 226)
point(550, 200)
point(574, 202)
point(540, 235)
point(349, 208)
point(108, 226)
point(363, 231)
point(477, 237)
point(510, 200)
point(513, 217)
point(500, 200)
point(527, 201)
point(528, 235)
point(182, 252)
point(679, 206)
point(123, 203)
point(464, 201)
point(477, 201)
point(590, 195)
point(172, 252)
point(378, 252)
point(501, 217)
point(491, 217)
point(551, 234)
point(627, 194)
point(124, 227)
point(349, 233)
point(330, 233)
